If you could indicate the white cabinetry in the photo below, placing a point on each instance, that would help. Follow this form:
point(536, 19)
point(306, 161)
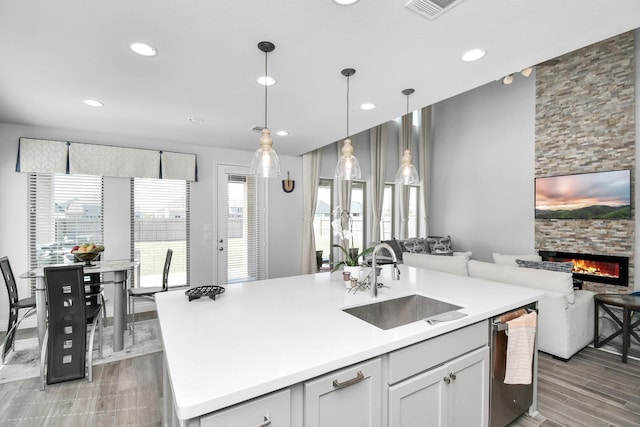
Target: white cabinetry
point(351, 397)
point(272, 410)
point(433, 385)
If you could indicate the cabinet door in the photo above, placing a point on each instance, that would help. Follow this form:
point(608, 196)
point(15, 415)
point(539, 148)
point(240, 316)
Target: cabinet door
point(419, 401)
point(468, 390)
point(350, 397)
point(273, 410)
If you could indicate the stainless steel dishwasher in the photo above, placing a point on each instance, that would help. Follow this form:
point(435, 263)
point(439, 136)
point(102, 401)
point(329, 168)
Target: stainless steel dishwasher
point(508, 401)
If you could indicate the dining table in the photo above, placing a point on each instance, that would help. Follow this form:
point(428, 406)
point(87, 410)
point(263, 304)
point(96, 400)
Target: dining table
point(120, 270)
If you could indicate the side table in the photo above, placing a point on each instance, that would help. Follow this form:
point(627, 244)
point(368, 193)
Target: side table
point(628, 304)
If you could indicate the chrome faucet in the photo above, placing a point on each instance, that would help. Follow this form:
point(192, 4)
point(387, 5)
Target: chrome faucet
point(374, 264)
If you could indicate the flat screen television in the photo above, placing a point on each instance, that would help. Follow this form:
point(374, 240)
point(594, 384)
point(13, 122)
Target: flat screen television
point(598, 195)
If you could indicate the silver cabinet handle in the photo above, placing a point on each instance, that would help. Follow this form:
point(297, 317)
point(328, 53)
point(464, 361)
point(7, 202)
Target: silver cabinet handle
point(267, 422)
point(452, 376)
point(359, 377)
point(447, 380)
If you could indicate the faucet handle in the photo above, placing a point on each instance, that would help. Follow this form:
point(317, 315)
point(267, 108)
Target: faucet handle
point(396, 271)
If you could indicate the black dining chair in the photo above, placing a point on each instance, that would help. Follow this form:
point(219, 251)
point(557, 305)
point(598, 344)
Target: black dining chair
point(148, 292)
point(15, 305)
point(65, 353)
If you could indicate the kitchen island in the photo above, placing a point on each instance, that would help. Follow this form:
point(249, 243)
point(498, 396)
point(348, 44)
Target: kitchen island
point(272, 335)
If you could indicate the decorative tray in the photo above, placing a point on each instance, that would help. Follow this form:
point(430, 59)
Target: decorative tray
point(204, 291)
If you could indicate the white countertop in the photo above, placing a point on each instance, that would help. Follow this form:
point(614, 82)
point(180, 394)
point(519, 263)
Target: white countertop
point(262, 336)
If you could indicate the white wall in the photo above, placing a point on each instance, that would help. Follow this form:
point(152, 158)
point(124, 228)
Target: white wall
point(482, 190)
point(285, 210)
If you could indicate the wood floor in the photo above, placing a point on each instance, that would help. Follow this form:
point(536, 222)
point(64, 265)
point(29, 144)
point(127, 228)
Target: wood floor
point(593, 389)
point(125, 393)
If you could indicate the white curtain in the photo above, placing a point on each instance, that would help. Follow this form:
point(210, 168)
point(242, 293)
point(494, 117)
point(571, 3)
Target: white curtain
point(39, 155)
point(378, 143)
point(44, 156)
point(424, 160)
point(106, 160)
point(310, 179)
point(403, 190)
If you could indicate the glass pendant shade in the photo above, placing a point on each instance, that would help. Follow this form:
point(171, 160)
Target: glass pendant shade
point(407, 173)
point(265, 163)
point(348, 167)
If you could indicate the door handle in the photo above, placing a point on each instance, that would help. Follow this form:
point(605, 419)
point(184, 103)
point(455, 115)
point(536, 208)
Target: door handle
point(221, 249)
point(267, 422)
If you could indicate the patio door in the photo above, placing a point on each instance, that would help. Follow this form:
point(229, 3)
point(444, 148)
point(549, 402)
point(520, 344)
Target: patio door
point(240, 244)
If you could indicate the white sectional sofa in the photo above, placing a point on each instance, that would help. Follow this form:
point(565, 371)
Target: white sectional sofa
point(565, 317)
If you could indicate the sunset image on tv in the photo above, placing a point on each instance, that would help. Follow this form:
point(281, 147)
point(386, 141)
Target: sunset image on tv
point(600, 195)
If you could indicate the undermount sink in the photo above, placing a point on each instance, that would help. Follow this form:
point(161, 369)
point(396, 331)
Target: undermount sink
point(392, 313)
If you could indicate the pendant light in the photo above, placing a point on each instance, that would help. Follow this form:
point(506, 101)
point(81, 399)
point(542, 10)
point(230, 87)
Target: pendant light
point(265, 163)
point(407, 173)
point(348, 167)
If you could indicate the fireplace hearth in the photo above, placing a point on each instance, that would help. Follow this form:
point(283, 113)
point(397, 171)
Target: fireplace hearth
point(609, 269)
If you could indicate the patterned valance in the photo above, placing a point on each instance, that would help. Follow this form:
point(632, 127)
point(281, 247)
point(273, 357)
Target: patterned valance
point(37, 155)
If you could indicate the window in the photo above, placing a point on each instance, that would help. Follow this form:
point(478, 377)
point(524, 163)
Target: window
point(358, 214)
point(244, 257)
point(322, 219)
point(160, 220)
point(413, 211)
point(64, 210)
point(386, 219)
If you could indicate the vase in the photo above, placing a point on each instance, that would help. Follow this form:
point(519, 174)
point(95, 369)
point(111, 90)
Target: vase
point(354, 273)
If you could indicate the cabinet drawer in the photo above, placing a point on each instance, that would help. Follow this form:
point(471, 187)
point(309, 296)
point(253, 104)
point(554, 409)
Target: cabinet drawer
point(275, 407)
point(351, 397)
point(419, 357)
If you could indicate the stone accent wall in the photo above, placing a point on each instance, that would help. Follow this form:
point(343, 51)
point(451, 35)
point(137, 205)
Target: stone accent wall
point(585, 122)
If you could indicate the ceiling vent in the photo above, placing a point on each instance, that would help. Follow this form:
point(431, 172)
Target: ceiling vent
point(431, 9)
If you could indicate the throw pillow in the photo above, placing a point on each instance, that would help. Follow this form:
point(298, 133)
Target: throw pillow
point(440, 245)
point(565, 267)
point(511, 259)
point(416, 246)
point(396, 246)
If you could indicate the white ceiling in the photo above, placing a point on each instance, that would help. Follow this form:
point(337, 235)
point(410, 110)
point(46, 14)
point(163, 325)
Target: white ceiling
point(55, 54)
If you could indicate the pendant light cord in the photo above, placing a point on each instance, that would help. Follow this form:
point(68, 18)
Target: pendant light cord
point(348, 106)
point(266, 76)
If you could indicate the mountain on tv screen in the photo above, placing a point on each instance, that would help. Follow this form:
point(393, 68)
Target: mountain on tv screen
point(598, 195)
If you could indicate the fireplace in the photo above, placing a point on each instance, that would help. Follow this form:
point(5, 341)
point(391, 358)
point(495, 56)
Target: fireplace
point(612, 270)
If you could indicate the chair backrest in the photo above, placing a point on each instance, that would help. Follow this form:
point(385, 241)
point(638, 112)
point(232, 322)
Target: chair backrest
point(165, 270)
point(66, 344)
point(9, 280)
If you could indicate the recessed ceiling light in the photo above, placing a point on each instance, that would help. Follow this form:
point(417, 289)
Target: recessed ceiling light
point(93, 103)
point(473, 55)
point(367, 106)
point(282, 133)
point(345, 2)
point(143, 49)
point(266, 80)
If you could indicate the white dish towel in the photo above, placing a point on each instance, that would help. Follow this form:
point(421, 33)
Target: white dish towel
point(521, 334)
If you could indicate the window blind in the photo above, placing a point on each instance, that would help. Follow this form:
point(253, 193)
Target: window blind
point(243, 229)
point(64, 210)
point(160, 220)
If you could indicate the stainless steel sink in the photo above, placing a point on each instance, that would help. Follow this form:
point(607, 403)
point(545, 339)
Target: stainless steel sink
point(400, 311)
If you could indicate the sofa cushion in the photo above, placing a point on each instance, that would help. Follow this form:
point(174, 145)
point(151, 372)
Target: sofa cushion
point(440, 245)
point(552, 282)
point(447, 264)
point(396, 246)
point(511, 259)
point(565, 267)
point(416, 246)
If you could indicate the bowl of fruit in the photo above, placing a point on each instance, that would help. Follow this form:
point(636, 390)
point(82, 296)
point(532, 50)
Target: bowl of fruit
point(87, 252)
